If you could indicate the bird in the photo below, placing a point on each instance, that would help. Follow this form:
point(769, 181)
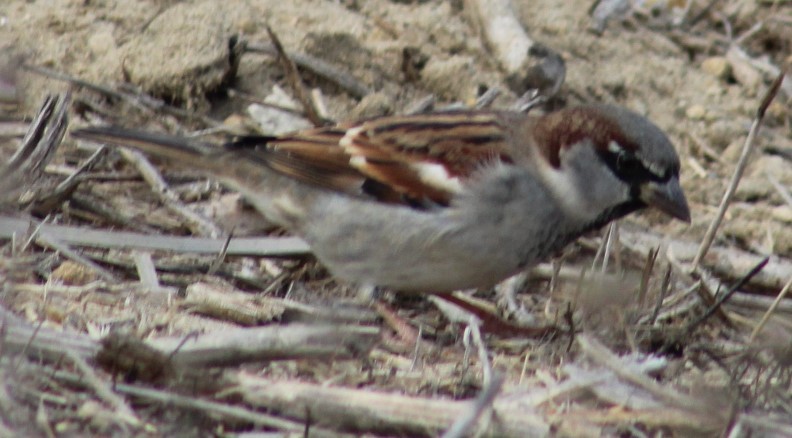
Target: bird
point(445, 201)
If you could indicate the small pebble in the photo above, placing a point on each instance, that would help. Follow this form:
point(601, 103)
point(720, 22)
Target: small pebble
point(782, 213)
point(102, 40)
point(236, 123)
point(743, 71)
point(247, 26)
point(717, 66)
point(696, 112)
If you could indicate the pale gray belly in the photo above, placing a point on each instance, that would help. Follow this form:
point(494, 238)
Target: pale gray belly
point(453, 248)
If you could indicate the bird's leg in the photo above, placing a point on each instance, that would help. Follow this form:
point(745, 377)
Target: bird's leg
point(406, 336)
point(506, 292)
point(492, 323)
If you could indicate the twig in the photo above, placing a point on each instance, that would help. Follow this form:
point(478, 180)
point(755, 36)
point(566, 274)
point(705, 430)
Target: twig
point(318, 102)
point(145, 103)
point(722, 299)
point(773, 307)
point(319, 67)
point(421, 105)
point(33, 234)
point(53, 243)
point(555, 278)
point(244, 309)
point(416, 354)
point(389, 414)
point(609, 242)
point(80, 236)
point(90, 208)
point(29, 342)
point(213, 409)
point(72, 179)
point(646, 274)
point(218, 261)
point(600, 381)
point(748, 147)
point(782, 191)
point(602, 248)
point(464, 424)
point(293, 76)
point(146, 271)
point(594, 349)
point(103, 392)
point(53, 74)
point(160, 188)
point(486, 99)
point(617, 246)
point(663, 292)
point(726, 262)
point(42, 342)
point(42, 139)
point(761, 303)
point(284, 342)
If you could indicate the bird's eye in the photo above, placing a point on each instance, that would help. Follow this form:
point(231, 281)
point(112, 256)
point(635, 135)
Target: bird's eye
point(627, 163)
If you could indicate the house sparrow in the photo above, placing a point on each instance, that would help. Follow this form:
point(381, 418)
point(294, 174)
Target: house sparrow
point(446, 201)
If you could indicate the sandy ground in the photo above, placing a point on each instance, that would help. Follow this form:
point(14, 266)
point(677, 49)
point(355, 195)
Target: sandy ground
point(685, 78)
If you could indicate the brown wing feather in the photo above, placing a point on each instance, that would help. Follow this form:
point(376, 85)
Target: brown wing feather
point(408, 159)
point(426, 157)
point(461, 141)
point(314, 157)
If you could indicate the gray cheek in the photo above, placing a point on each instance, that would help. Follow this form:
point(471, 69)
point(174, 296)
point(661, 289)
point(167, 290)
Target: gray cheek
point(600, 188)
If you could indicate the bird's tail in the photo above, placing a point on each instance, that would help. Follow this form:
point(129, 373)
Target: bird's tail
point(270, 193)
point(175, 149)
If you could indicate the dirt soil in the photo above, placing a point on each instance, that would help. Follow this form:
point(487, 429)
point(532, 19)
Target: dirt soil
point(701, 81)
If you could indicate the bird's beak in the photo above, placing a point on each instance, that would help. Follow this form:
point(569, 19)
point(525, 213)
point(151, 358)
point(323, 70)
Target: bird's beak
point(667, 197)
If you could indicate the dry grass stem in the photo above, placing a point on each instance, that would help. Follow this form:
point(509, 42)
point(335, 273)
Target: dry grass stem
point(464, 424)
point(748, 147)
point(48, 241)
point(781, 295)
point(782, 191)
point(297, 85)
point(665, 394)
point(81, 236)
point(101, 388)
point(43, 137)
point(138, 100)
point(421, 105)
point(282, 342)
point(726, 262)
point(378, 412)
point(319, 67)
point(159, 187)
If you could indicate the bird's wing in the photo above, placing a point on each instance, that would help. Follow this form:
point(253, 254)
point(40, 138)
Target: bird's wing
point(402, 159)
